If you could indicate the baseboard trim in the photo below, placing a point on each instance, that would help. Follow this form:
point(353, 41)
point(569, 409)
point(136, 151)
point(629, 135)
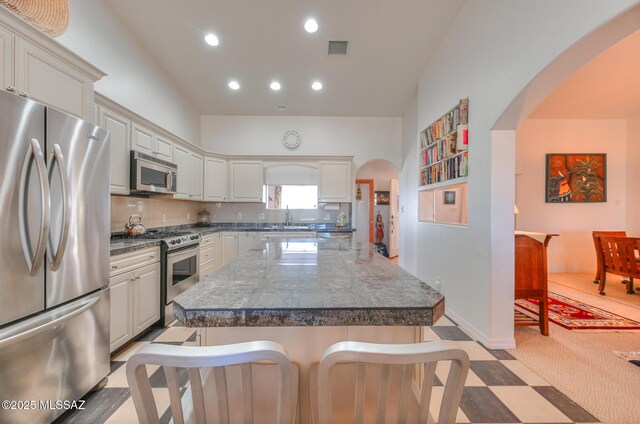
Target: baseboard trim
point(491, 343)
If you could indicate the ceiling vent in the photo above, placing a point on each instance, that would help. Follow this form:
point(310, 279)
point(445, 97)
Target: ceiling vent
point(338, 47)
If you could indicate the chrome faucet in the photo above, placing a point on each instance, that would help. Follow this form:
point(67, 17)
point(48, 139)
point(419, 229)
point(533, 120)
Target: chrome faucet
point(287, 222)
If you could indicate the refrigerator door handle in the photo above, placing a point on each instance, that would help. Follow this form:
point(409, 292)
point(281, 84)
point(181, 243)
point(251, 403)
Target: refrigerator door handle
point(34, 152)
point(25, 333)
point(56, 156)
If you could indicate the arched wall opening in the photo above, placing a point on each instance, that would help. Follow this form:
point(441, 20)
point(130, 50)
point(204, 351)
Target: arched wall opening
point(379, 177)
point(493, 53)
point(504, 136)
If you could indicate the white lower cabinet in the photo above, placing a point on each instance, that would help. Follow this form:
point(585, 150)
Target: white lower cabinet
point(207, 255)
point(120, 306)
point(135, 299)
point(146, 304)
point(247, 241)
point(229, 247)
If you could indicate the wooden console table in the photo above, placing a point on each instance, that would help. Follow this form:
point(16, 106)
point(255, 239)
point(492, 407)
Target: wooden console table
point(531, 275)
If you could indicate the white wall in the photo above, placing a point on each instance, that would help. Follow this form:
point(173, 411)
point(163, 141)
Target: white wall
point(134, 80)
point(491, 52)
point(408, 213)
point(573, 250)
point(363, 138)
point(632, 224)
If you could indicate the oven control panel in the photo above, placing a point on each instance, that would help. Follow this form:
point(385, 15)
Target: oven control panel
point(180, 241)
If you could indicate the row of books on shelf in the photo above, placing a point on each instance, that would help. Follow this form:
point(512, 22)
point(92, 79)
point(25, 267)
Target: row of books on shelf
point(455, 167)
point(459, 115)
point(447, 146)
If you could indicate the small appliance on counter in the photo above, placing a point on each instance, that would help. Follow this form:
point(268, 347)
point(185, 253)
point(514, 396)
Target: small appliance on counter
point(341, 220)
point(204, 217)
point(134, 226)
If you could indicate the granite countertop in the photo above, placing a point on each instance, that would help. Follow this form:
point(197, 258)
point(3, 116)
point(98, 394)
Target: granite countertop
point(308, 282)
point(121, 245)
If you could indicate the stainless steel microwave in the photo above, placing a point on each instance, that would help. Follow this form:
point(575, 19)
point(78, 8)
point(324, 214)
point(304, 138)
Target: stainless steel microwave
point(151, 175)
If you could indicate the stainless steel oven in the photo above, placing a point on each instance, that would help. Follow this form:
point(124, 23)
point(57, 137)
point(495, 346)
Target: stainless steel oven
point(181, 273)
point(151, 175)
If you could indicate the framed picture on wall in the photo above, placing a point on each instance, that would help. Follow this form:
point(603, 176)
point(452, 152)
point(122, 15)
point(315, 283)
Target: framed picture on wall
point(449, 197)
point(576, 178)
point(382, 197)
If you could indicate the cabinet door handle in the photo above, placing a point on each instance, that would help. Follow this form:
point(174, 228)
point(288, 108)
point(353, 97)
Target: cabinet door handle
point(11, 89)
point(152, 256)
point(23, 94)
point(114, 266)
point(137, 277)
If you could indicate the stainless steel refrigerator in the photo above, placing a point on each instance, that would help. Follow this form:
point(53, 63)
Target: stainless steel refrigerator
point(54, 259)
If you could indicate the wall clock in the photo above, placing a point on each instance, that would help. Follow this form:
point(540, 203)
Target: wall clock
point(291, 139)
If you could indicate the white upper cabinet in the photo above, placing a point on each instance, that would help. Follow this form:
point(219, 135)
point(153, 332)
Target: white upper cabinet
point(6, 55)
point(164, 149)
point(335, 181)
point(142, 139)
point(215, 179)
point(34, 65)
point(119, 126)
point(146, 141)
point(182, 158)
point(190, 168)
point(43, 77)
point(196, 188)
point(246, 181)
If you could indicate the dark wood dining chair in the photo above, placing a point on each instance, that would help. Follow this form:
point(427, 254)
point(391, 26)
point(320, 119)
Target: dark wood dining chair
point(619, 258)
point(596, 243)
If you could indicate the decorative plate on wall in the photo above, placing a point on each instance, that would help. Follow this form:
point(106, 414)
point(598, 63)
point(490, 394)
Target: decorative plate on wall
point(291, 139)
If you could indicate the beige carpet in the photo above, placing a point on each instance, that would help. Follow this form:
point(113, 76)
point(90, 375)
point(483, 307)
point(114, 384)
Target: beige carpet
point(582, 364)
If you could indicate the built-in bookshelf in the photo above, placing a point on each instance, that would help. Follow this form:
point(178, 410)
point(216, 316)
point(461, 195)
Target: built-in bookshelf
point(444, 147)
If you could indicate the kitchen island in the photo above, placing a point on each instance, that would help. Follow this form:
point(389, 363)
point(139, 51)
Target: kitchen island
point(308, 294)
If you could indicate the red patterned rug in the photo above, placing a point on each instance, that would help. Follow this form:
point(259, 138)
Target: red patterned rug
point(574, 315)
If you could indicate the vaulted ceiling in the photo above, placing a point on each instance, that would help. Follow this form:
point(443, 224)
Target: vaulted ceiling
point(607, 87)
point(390, 42)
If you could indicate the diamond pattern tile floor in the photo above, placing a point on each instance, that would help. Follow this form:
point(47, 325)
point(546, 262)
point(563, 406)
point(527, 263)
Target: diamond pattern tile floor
point(499, 388)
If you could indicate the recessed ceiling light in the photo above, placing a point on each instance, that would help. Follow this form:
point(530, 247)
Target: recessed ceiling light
point(282, 107)
point(311, 26)
point(211, 40)
point(234, 85)
point(275, 86)
point(317, 85)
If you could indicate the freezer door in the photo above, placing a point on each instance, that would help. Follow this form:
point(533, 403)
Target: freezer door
point(78, 245)
point(24, 207)
point(58, 355)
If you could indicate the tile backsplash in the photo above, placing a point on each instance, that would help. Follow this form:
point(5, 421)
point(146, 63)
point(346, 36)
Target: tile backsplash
point(159, 212)
point(155, 211)
point(257, 212)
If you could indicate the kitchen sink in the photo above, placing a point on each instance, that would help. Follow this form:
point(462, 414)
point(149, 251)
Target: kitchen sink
point(290, 227)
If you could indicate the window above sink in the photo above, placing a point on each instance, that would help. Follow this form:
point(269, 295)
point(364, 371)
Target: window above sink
point(291, 196)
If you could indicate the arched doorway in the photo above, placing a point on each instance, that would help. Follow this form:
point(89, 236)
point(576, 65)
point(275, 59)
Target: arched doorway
point(376, 208)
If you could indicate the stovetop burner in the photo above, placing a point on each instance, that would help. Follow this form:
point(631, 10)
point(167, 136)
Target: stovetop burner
point(154, 234)
point(171, 239)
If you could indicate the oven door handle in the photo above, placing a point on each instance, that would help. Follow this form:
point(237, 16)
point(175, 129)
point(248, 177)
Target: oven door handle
point(187, 251)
